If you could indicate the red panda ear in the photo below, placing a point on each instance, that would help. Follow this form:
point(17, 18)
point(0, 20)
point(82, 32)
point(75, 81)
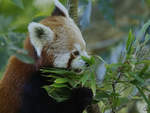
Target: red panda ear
point(59, 10)
point(39, 35)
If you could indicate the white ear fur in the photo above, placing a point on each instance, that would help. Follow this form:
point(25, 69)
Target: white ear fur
point(61, 7)
point(39, 36)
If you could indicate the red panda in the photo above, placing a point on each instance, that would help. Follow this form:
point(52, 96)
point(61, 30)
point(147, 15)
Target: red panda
point(54, 42)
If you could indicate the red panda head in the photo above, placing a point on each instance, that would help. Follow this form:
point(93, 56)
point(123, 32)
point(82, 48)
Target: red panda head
point(57, 41)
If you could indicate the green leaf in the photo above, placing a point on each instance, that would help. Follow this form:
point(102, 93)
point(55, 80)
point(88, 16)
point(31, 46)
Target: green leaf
point(47, 88)
point(90, 60)
point(58, 71)
point(61, 80)
point(51, 76)
point(139, 79)
point(145, 68)
point(84, 78)
point(101, 94)
point(129, 42)
point(56, 85)
point(93, 83)
point(101, 59)
point(18, 3)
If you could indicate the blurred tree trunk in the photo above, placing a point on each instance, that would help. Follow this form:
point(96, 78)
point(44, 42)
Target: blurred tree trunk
point(73, 11)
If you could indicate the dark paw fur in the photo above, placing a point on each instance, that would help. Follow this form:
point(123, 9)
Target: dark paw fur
point(82, 96)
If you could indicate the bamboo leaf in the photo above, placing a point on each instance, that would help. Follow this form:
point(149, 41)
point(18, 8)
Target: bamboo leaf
point(93, 83)
point(61, 80)
point(58, 85)
point(84, 79)
point(139, 79)
point(129, 42)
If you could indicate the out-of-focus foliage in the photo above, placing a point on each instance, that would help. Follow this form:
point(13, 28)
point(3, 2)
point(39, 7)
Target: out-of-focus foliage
point(127, 80)
point(14, 18)
point(20, 12)
point(107, 10)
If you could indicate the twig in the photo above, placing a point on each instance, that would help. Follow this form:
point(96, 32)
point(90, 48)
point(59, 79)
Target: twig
point(114, 91)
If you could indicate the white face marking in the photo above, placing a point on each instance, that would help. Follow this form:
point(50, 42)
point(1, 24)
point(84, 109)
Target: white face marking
point(61, 7)
point(78, 62)
point(61, 60)
point(40, 42)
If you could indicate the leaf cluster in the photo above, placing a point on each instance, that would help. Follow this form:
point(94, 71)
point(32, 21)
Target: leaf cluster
point(127, 80)
point(63, 80)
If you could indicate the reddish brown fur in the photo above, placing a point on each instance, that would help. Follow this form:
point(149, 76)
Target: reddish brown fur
point(56, 22)
point(17, 72)
point(70, 60)
point(11, 84)
point(46, 60)
point(28, 46)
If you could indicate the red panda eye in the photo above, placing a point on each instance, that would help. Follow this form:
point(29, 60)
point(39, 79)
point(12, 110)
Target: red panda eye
point(76, 53)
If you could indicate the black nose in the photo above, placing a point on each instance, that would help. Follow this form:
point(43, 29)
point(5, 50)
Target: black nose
point(87, 65)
